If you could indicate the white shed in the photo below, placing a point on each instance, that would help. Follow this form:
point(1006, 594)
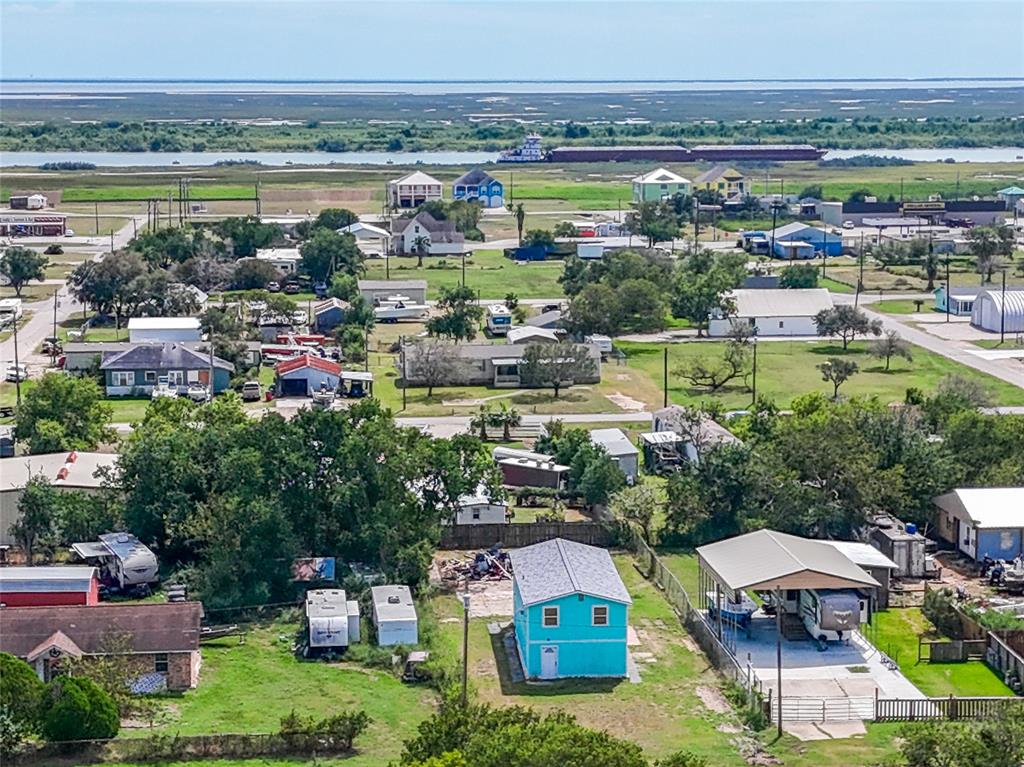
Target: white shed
point(394, 615)
point(621, 450)
point(988, 311)
point(332, 619)
point(478, 508)
point(774, 311)
point(163, 329)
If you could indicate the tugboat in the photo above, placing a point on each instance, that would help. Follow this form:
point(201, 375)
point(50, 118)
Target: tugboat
point(528, 151)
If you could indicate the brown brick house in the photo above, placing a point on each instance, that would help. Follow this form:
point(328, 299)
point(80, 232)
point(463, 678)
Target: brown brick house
point(161, 641)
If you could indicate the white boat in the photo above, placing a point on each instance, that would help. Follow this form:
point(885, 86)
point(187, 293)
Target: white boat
point(395, 308)
point(164, 388)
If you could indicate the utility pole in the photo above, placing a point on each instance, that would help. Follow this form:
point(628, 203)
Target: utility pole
point(465, 646)
point(753, 380)
point(96, 215)
point(824, 248)
point(135, 228)
point(405, 379)
point(53, 345)
point(664, 378)
point(170, 222)
point(948, 297)
point(775, 215)
point(17, 366)
point(778, 656)
point(111, 240)
point(1002, 311)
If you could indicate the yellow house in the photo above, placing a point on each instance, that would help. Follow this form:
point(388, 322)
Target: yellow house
point(727, 181)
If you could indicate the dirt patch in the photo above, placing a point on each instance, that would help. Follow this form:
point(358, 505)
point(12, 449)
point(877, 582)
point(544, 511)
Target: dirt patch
point(315, 195)
point(625, 402)
point(650, 640)
point(728, 728)
point(713, 699)
point(490, 598)
point(689, 644)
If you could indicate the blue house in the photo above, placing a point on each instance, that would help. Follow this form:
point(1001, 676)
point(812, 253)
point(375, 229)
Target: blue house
point(481, 187)
point(961, 300)
point(136, 371)
point(328, 314)
point(795, 241)
point(570, 611)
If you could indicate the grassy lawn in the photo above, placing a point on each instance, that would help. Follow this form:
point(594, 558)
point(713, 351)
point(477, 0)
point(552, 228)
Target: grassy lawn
point(159, 191)
point(895, 633)
point(582, 194)
point(249, 687)
point(786, 369)
point(8, 331)
point(487, 271)
point(900, 306)
point(663, 713)
point(128, 409)
point(994, 343)
point(835, 286)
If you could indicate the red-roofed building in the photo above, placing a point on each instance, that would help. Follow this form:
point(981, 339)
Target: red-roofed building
point(49, 586)
point(301, 376)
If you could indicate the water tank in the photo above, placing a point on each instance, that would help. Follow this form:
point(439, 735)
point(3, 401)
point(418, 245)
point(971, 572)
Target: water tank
point(911, 528)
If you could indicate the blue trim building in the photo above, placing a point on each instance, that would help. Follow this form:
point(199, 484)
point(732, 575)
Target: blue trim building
point(571, 610)
point(983, 521)
point(794, 241)
point(961, 300)
point(136, 371)
point(479, 186)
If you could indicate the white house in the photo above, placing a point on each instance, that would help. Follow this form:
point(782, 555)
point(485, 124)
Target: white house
point(774, 312)
point(425, 233)
point(413, 190)
point(990, 312)
point(371, 240)
point(530, 335)
point(478, 508)
point(394, 615)
point(285, 259)
point(163, 329)
point(620, 449)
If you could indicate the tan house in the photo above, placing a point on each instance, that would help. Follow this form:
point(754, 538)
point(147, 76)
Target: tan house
point(160, 641)
point(727, 181)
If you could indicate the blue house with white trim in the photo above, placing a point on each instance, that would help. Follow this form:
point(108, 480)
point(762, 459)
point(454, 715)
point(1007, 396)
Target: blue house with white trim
point(571, 610)
point(481, 187)
point(794, 241)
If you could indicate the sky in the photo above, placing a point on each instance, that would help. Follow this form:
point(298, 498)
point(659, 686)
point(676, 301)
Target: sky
point(509, 39)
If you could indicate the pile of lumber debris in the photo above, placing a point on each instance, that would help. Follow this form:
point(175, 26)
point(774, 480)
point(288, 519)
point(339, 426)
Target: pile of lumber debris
point(490, 565)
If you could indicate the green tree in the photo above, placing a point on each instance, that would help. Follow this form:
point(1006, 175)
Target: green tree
point(656, 221)
point(859, 195)
point(812, 191)
point(555, 365)
point(594, 310)
point(37, 515)
point(702, 284)
point(636, 507)
point(420, 246)
point(245, 235)
point(21, 692)
point(327, 252)
point(343, 286)
point(520, 213)
point(253, 274)
point(19, 266)
point(539, 238)
point(837, 371)
point(799, 276)
point(565, 229)
point(460, 316)
point(847, 322)
point(116, 285)
point(78, 709)
point(335, 218)
point(890, 345)
point(990, 245)
point(63, 413)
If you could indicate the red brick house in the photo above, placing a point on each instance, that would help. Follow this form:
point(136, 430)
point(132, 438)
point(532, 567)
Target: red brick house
point(160, 640)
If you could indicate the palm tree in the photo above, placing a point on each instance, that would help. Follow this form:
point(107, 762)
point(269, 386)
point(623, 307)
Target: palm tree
point(507, 418)
point(520, 214)
point(420, 245)
point(931, 268)
point(481, 421)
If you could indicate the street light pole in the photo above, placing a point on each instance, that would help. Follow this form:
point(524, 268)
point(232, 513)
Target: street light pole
point(1002, 312)
point(948, 296)
point(465, 647)
point(17, 365)
point(753, 397)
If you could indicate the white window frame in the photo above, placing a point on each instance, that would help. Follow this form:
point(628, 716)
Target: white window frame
point(593, 615)
point(161, 659)
point(122, 378)
point(544, 621)
point(176, 377)
point(192, 376)
point(150, 376)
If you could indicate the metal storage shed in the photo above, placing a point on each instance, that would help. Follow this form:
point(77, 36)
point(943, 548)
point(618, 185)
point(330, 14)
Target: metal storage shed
point(394, 615)
point(620, 449)
point(990, 312)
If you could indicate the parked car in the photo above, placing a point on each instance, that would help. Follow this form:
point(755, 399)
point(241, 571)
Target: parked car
point(251, 391)
point(274, 287)
point(16, 373)
point(198, 393)
point(848, 225)
point(69, 232)
point(320, 289)
point(292, 288)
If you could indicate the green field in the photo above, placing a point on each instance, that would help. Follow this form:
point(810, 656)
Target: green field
point(900, 306)
point(895, 633)
point(487, 271)
point(786, 369)
point(248, 688)
point(197, 192)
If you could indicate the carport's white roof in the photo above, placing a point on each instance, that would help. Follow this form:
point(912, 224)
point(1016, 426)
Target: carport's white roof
point(863, 554)
point(769, 559)
point(986, 507)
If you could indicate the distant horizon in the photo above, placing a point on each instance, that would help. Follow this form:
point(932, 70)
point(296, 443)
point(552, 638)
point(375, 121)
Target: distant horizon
point(470, 81)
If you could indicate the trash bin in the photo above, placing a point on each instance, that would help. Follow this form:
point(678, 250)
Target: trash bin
point(269, 395)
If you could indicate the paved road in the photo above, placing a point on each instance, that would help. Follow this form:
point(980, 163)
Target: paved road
point(40, 325)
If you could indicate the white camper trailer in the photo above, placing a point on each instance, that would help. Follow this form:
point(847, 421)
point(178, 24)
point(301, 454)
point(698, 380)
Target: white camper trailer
point(332, 621)
point(123, 560)
point(832, 615)
point(394, 615)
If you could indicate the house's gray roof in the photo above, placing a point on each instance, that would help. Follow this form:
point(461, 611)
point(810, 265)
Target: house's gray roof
point(392, 285)
point(498, 351)
point(161, 357)
point(557, 568)
point(780, 302)
point(768, 559)
point(474, 177)
point(716, 173)
point(425, 220)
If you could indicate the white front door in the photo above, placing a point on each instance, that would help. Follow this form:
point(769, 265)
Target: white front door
point(549, 662)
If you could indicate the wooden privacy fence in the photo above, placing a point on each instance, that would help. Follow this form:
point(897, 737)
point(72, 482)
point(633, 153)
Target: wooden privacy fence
point(952, 708)
point(518, 534)
point(955, 651)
